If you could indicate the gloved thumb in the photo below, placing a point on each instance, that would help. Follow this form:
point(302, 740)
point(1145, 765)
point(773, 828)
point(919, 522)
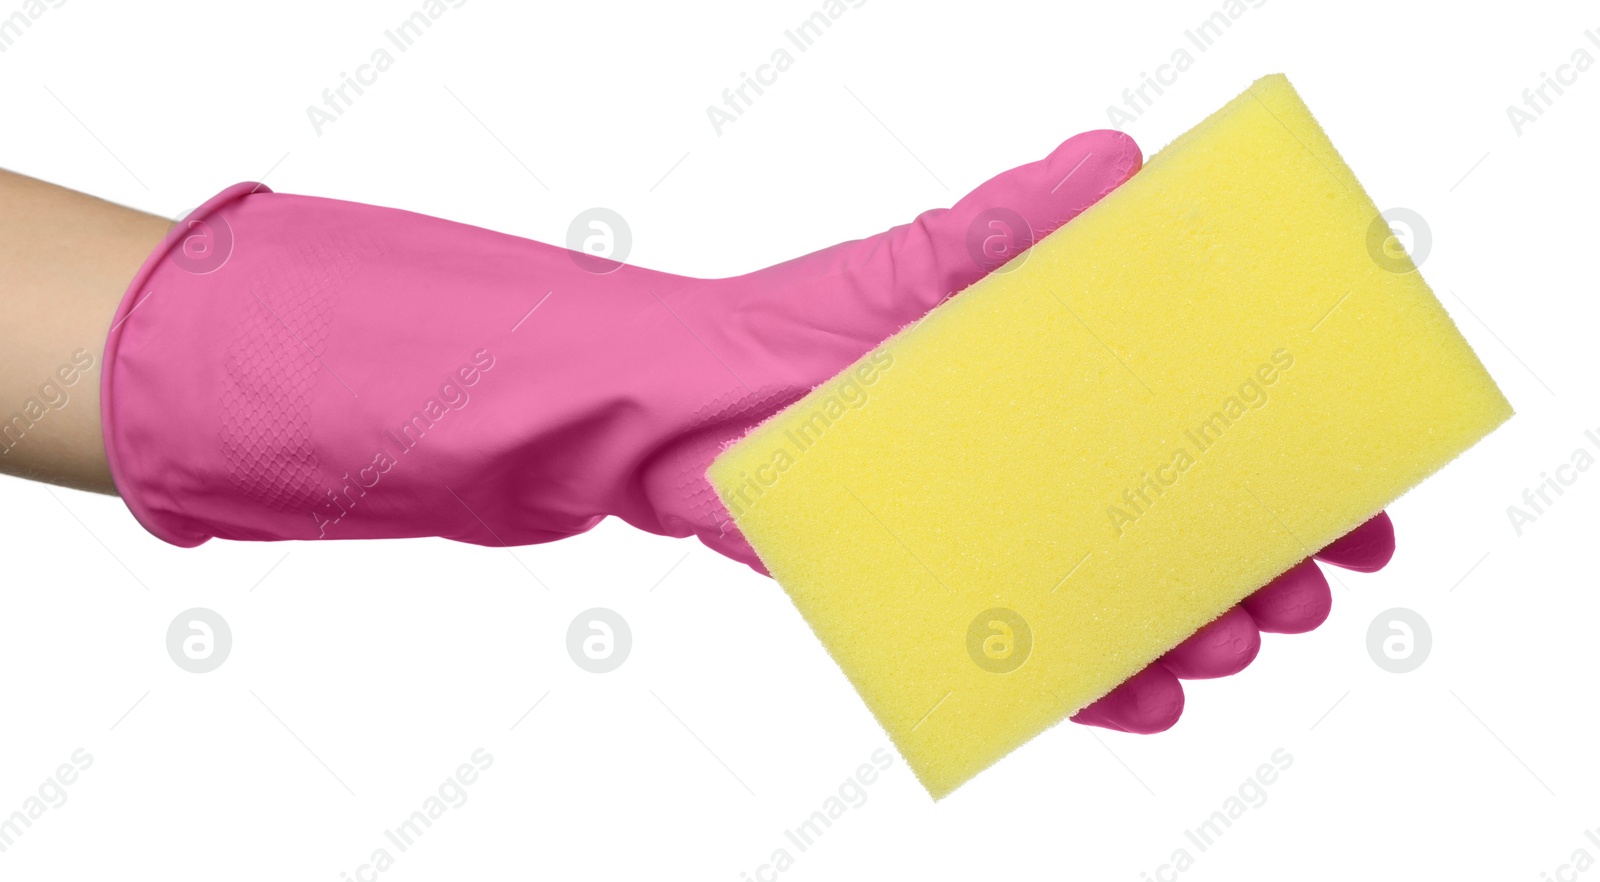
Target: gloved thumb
point(857, 293)
point(1008, 213)
point(806, 319)
point(947, 249)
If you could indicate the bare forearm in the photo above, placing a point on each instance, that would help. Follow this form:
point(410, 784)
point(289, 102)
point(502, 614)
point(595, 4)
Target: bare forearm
point(65, 260)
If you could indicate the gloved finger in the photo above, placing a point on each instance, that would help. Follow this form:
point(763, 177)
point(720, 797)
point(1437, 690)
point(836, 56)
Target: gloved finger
point(1150, 701)
point(982, 230)
point(1220, 649)
point(902, 273)
point(1293, 603)
point(1365, 549)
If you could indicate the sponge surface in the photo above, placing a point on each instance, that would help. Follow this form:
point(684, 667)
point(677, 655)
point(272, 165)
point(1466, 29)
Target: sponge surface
point(1014, 505)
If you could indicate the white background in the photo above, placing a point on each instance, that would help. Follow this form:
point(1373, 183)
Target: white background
point(362, 674)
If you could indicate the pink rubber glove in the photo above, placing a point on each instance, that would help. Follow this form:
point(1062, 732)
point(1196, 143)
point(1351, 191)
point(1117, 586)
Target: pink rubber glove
point(1293, 603)
point(288, 367)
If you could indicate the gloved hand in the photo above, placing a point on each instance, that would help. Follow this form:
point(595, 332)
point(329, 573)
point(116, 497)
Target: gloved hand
point(1293, 603)
point(287, 367)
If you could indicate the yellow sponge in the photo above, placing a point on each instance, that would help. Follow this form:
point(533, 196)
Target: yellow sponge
point(1019, 502)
